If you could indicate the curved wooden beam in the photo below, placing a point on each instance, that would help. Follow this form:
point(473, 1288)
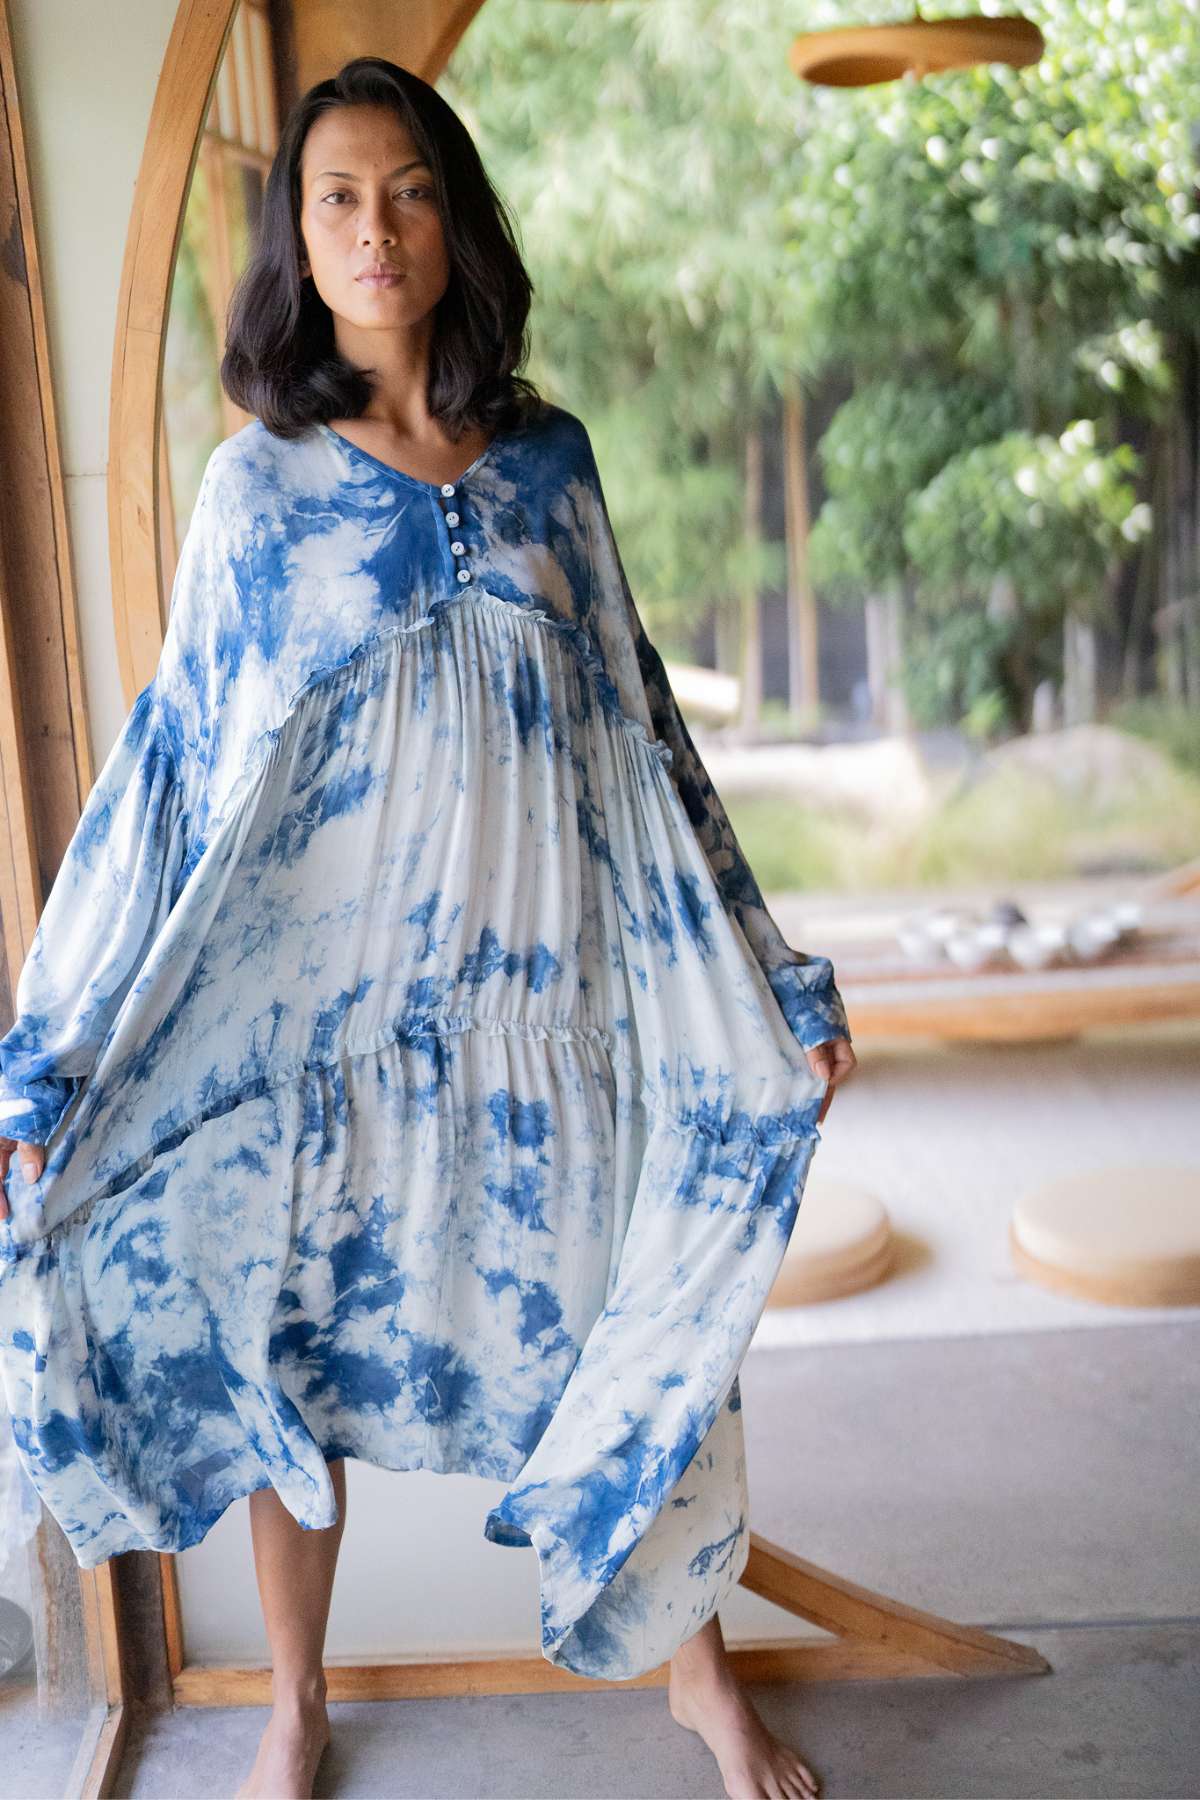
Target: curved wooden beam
point(874, 1638)
point(902, 1639)
point(181, 101)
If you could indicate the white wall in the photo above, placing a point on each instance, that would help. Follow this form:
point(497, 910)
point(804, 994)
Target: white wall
point(86, 73)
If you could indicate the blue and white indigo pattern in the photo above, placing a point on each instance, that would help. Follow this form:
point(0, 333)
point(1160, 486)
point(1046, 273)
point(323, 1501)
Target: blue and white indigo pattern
point(422, 1075)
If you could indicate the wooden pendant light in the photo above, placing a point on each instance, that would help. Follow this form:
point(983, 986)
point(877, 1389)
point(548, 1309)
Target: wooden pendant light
point(862, 55)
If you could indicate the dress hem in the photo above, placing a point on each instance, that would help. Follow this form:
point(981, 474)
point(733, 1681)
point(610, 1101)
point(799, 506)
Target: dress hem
point(555, 1651)
point(566, 1646)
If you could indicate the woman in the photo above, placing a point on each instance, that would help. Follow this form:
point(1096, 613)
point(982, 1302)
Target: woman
point(422, 1076)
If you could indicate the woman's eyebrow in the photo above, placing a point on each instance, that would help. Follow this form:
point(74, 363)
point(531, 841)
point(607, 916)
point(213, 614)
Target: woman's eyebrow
point(345, 174)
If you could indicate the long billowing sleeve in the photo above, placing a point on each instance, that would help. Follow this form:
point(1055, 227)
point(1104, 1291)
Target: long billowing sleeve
point(107, 903)
point(803, 985)
point(138, 836)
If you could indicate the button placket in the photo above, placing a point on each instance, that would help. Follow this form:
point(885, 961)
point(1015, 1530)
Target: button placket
point(457, 547)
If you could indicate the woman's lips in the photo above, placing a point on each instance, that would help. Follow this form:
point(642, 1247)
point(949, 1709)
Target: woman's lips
point(381, 278)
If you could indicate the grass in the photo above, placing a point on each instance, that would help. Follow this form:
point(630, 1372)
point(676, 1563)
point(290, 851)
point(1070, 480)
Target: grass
point(1174, 728)
point(1008, 826)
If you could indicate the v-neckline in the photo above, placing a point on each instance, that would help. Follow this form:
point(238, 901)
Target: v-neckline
point(430, 487)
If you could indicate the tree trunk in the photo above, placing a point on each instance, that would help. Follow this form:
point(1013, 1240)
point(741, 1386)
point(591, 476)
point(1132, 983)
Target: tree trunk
point(1178, 621)
point(751, 646)
point(1079, 670)
point(885, 654)
point(1149, 567)
point(804, 697)
point(726, 638)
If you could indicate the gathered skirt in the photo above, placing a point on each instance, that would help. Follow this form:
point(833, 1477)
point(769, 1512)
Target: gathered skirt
point(452, 1125)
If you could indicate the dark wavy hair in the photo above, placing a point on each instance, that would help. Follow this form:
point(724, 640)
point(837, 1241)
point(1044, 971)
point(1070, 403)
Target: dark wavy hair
point(281, 362)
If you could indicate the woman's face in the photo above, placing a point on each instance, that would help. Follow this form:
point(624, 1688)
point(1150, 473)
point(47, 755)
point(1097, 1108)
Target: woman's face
point(366, 199)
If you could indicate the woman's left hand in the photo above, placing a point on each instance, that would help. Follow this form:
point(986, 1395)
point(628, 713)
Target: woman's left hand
point(832, 1061)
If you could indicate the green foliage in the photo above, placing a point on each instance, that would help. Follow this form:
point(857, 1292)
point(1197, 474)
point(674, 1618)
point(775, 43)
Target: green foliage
point(1175, 728)
point(960, 670)
point(999, 217)
point(1023, 244)
point(882, 446)
point(1131, 363)
point(645, 154)
point(787, 844)
point(1002, 259)
point(1049, 513)
point(1004, 539)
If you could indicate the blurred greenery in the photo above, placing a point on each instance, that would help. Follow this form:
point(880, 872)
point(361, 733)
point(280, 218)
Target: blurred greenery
point(788, 845)
point(1173, 726)
point(996, 268)
point(1013, 260)
point(1010, 825)
point(1018, 826)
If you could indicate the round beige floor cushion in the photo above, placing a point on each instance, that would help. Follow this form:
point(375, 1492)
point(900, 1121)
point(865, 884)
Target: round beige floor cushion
point(842, 1242)
point(1125, 1236)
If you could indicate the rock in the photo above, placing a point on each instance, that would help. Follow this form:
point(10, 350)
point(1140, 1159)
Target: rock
point(1085, 764)
point(883, 780)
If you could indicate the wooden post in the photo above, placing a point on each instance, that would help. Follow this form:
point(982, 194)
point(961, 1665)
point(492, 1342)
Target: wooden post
point(751, 645)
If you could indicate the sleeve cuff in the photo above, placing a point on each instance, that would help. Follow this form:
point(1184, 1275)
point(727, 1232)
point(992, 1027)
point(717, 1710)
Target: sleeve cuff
point(30, 1113)
point(809, 1001)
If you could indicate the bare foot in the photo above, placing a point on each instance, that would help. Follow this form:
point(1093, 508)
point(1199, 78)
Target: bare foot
point(754, 1763)
point(288, 1753)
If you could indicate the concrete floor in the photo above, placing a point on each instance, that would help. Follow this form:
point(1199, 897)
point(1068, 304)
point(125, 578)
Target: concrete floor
point(1039, 1484)
point(39, 1750)
point(950, 1138)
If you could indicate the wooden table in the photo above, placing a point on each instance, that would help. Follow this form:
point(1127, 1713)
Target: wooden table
point(1155, 976)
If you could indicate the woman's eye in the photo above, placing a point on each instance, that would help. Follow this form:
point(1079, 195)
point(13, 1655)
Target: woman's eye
point(340, 193)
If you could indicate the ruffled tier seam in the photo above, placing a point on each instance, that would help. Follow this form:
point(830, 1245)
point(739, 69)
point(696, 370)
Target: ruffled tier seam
point(734, 1129)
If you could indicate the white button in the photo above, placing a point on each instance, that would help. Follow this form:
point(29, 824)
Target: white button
point(464, 574)
point(457, 548)
point(452, 518)
point(447, 487)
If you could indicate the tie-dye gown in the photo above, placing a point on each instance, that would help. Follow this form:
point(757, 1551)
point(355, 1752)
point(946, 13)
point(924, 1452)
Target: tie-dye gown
point(422, 1076)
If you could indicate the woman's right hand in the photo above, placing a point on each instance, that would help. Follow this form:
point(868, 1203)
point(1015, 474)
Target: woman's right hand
point(33, 1161)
